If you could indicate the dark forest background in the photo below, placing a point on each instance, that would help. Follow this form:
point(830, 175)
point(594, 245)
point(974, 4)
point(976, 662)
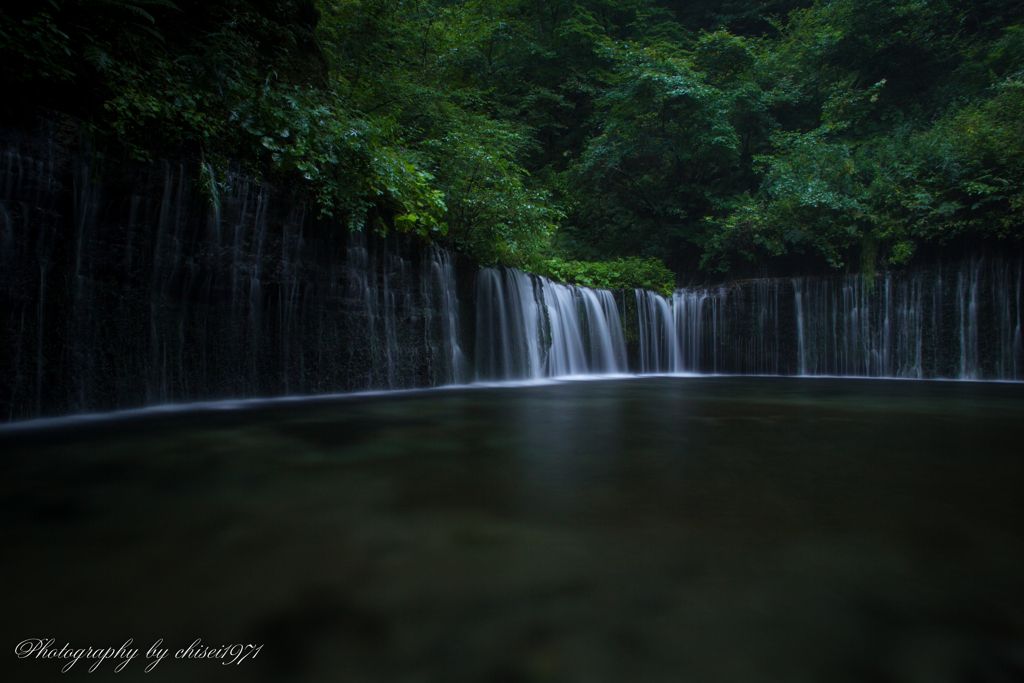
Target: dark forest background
point(602, 142)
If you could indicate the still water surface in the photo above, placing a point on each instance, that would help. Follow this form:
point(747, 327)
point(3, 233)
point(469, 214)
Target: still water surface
point(651, 529)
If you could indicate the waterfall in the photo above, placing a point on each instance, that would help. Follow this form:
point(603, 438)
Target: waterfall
point(798, 287)
point(606, 341)
point(659, 333)
point(916, 324)
point(508, 325)
point(120, 287)
point(437, 287)
point(565, 355)
point(531, 327)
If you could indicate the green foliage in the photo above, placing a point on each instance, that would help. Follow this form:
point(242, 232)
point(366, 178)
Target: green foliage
point(901, 132)
point(628, 273)
point(969, 174)
point(566, 136)
point(243, 87)
point(34, 48)
point(418, 65)
point(667, 144)
point(809, 204)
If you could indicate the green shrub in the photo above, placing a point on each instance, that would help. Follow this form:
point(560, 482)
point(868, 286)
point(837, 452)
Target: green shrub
point(623, 273)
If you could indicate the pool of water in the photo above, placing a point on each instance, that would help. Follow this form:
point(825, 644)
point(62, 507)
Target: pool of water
point(648, 529)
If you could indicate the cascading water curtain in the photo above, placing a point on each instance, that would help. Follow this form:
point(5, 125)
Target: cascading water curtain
point(659, 342)
point(120, 290)
point(681, 335)
point(441, 318)
point(940, 322)
point(531, 327)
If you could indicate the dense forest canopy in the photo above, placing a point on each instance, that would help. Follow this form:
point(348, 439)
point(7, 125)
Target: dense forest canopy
point(596, 141)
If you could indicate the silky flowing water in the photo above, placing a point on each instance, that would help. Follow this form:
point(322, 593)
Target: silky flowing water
point(650, 529)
